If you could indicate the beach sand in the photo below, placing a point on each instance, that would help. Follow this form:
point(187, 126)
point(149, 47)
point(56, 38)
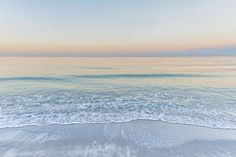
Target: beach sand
point(140, 138)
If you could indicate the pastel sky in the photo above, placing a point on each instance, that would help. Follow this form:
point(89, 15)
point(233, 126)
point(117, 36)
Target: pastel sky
point(90, 27)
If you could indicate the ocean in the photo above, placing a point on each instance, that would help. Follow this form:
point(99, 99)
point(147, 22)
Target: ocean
point(199, 91)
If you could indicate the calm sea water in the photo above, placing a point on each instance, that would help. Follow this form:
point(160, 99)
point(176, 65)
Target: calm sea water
point(42, 91)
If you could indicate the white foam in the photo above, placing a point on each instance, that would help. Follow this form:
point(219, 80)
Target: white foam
point(66, 107)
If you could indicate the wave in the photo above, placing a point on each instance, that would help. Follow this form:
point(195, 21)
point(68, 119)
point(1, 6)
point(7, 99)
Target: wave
point(17, 120)
point(66, 107)
point(138, 76)
point(103, 76)
point(33, 78)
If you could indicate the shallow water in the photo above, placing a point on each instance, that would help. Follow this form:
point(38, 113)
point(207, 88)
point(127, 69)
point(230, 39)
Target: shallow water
point(137, 138)
point(42, 91)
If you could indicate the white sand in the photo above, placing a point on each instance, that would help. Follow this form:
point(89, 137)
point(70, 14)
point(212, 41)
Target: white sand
point(141, 138)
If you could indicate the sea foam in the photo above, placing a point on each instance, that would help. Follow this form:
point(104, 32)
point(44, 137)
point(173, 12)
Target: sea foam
point(185, 106)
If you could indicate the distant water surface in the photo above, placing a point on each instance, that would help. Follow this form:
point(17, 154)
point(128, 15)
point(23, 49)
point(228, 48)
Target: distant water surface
point(42, 91)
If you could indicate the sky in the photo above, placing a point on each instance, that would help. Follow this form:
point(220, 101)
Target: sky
point(116, 27)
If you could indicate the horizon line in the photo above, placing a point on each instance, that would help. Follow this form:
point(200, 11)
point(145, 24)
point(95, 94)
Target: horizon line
point(229, 50)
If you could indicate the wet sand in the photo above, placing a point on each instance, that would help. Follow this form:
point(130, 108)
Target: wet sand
point(140, 138)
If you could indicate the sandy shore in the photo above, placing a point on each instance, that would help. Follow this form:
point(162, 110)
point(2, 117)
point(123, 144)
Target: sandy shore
point(141, 138)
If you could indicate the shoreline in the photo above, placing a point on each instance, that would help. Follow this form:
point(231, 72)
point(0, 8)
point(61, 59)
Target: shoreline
point(115, 122)
point(134, 138)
